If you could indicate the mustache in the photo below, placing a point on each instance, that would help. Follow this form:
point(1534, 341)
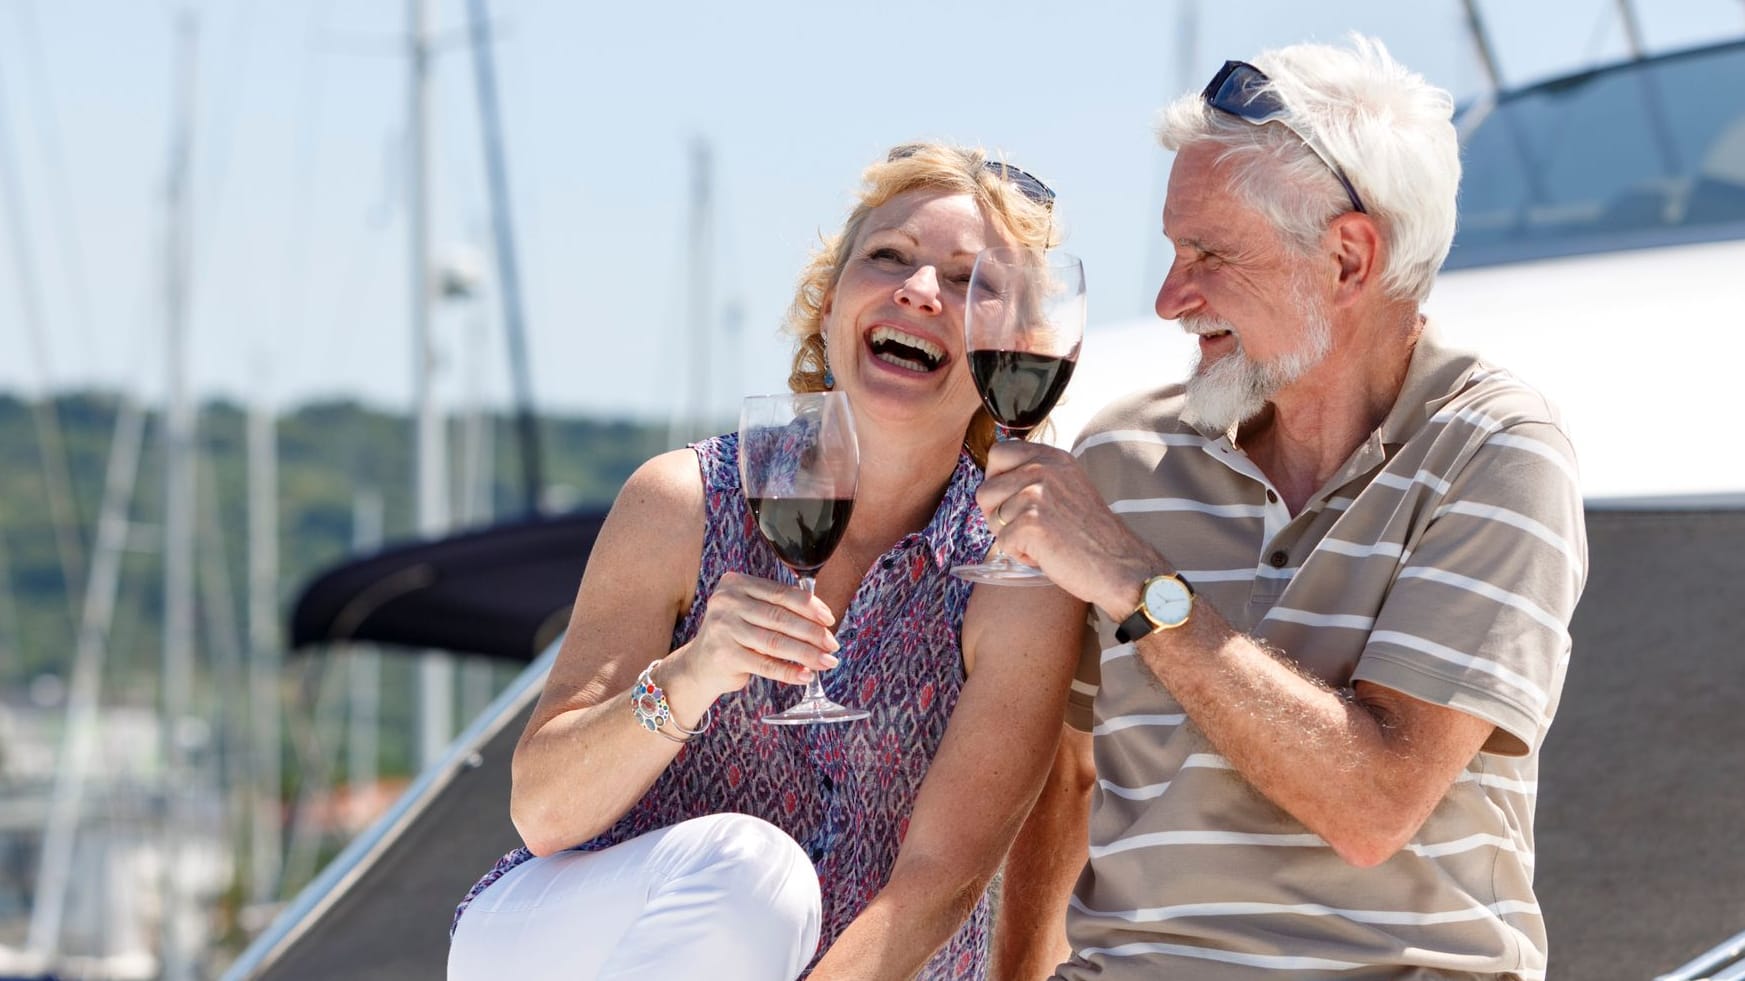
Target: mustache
point(1203, 324)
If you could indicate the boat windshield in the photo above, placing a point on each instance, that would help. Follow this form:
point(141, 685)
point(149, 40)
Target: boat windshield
point(1636, 155)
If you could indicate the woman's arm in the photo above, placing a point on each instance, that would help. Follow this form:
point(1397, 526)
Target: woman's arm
point(1044, 863)
point(584, 760)
point(1020, 646)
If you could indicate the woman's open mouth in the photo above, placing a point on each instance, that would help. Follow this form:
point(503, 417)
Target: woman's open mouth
point(905, 350)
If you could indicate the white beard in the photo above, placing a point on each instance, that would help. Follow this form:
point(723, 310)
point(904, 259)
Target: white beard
point(1234, 389)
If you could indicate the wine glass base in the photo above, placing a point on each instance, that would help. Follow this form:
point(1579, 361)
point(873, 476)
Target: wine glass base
point(1007, 573)
point(813, 711)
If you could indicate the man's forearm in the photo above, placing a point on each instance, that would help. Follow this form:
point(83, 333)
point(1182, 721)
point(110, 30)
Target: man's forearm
point(1361, 769)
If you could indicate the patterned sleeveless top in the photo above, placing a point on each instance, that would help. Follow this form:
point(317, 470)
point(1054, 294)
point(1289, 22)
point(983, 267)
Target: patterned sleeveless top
point(844, 792)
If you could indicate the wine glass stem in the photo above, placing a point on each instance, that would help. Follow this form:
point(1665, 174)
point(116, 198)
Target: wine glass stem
point(814, 687)
point(1002, 435)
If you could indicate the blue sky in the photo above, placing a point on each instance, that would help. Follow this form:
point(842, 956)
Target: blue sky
point(301, 278)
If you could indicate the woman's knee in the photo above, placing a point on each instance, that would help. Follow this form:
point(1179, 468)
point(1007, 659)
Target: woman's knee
point(761, 867)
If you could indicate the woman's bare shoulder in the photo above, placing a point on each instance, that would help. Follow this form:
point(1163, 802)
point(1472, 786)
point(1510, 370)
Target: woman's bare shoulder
point(638, 580)
point(659, 513)
point(665, 486)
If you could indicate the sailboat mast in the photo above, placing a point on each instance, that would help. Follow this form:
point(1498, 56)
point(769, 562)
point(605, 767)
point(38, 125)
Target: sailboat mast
point(265, 848)
point(430, 487)
point(702, 276)
point(179, 504)
point(61, 830)
point(508, 269)
point(690, 418)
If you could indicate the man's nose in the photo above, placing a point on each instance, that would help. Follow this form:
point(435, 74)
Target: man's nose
point(1177, 297)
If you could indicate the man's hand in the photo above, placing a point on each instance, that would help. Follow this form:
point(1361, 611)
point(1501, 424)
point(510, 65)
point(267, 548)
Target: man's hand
point(1043, 510)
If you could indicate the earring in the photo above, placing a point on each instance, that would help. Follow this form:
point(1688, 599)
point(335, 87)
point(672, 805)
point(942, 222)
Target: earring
point(829, 376)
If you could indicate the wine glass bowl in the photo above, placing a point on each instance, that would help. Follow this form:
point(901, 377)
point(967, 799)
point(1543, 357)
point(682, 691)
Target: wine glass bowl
point(1023, 322)
point(799, 463)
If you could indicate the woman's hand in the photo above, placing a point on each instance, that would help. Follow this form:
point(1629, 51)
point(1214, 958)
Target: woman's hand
point(585, 759)
point(756, 627)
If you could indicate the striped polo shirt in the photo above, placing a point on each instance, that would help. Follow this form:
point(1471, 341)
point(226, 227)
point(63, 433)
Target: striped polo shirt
point(1443, 561)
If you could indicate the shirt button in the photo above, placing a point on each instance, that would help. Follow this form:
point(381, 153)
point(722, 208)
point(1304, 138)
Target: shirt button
point(829, 785)
point(1271, 497)
point(1278, 559)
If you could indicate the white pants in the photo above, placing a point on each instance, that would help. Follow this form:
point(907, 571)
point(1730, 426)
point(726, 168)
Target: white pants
point(726, 896)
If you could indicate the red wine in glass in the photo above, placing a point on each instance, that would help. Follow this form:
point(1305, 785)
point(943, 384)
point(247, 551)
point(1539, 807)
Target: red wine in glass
point(802, 530)
point(1023, 320)
point(799, 462)
point(1020, 388)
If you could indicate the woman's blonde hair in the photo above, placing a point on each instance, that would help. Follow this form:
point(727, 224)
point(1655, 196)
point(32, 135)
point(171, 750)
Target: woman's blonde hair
point(913, 167)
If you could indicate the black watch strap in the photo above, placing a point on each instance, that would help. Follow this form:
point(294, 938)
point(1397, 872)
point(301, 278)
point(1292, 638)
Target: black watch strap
point(1134, 627)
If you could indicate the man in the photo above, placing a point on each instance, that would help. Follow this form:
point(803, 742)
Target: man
point(1333, 576)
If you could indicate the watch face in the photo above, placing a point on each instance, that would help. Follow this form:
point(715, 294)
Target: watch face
point(1168, 602)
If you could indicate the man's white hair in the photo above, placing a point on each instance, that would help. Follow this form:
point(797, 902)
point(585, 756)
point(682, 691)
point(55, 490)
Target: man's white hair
point(1387, 128)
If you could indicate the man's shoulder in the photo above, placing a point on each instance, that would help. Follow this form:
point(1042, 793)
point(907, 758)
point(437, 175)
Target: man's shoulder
point(1149, 410)
point(1492, 400)
point(1477, 412)
point(1462, 382)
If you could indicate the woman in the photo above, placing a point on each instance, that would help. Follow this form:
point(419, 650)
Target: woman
point(717, 846)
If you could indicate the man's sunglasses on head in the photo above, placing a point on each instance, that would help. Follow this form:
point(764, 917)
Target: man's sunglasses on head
point(1242, 90)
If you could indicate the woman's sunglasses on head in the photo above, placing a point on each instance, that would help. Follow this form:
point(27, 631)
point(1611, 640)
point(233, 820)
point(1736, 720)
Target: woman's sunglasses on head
point(1028, 184)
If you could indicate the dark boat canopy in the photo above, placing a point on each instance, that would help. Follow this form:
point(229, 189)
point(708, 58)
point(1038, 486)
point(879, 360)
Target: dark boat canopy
point(503, 591)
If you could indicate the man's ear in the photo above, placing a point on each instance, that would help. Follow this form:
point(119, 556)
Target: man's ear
point(1358, 248)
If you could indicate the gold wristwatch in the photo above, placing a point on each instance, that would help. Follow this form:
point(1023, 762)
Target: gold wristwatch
point(1165, 603)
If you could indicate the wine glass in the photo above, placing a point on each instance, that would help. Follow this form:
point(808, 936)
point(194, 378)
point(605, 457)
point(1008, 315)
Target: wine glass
point(799, 461)
point(1023, 320)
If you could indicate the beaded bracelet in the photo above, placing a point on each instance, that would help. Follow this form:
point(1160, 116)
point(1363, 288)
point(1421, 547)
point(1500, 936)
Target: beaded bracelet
point(648, 702)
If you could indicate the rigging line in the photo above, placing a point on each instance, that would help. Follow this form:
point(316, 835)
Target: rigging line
point(61, 195)
point(343, 327)
point(1559, 126)
point(1632, 30)
point(1597, 37)
point(318, 695)
point(63, 508)
point(1653, 101)
point(18, 226)
point(74, 261)
point(366, 253)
